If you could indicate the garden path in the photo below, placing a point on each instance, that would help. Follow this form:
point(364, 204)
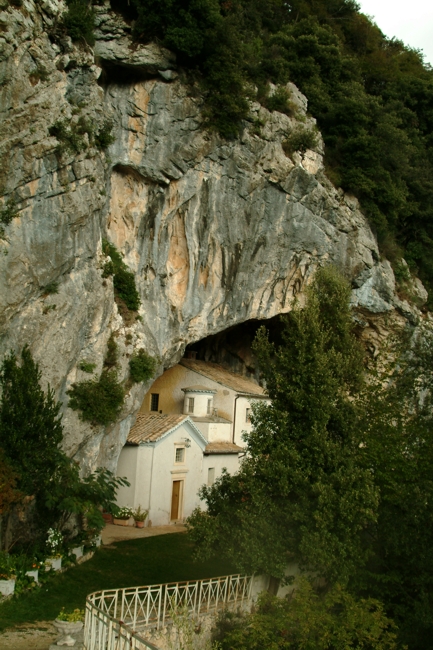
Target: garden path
point(112, 533)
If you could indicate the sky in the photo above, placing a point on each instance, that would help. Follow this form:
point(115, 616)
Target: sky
point(410, 22)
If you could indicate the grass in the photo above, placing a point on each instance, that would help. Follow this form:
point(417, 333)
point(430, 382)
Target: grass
point(146, 561)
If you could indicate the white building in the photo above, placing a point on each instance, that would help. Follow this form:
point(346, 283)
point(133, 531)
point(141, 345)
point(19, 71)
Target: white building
point(189, 428)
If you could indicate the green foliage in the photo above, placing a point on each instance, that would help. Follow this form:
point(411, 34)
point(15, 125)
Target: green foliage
point(85, 497)
point(399, 449)
point(182, 25)
point(279, 101)
point(139, 514)
point(338, 472)
point(86, 366)
point(30, 424)
point(51, 288)
point(141, 366)
point(70, 139)
point(302, 483)
point(123, 279)
point(7, 566)
point(99, 400)
point(8, 481)
point(110, 360)
point(308, 620)
point(72, 617)
point(7, 214)
point(103, 138)
point(300, 139)
point(79, 21)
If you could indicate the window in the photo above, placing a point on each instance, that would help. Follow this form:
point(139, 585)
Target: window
point(211, 476)
point(179, 455)
point(248, 415)
point(190, 405)
point(154, 401)
point(209, 406)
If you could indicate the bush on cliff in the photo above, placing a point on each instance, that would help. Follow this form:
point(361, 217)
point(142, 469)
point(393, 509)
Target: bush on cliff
point(123, 278)
point(99, 400)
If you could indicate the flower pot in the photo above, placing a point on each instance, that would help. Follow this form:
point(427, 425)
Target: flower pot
point(7, 587)
point(121, 522)
point(34, 573)
point(97, 540)
point(108, 518)
point(65, 629)
point(139, 524)
point(78, 551)
point(54, 563)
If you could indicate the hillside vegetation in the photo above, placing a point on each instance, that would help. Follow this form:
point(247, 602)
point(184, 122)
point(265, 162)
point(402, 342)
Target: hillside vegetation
point(372, 97)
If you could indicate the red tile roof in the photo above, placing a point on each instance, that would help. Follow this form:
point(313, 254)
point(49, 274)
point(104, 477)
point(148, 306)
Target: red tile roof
point(222, 448)
point(152, 426)
point(222, 376)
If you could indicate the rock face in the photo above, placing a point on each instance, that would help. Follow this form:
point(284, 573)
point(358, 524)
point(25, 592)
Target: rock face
point(215, 232)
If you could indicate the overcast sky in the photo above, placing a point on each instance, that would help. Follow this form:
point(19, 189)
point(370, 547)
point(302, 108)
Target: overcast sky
point(410, 21)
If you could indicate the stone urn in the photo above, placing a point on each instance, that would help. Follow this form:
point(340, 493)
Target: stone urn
point(33, 573)
point(66, 629)
point(78, 551)
point(54, 563)
point(7, 587)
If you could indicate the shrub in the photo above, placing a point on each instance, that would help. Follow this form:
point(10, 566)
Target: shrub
point(99, 400)
point(300, 139)
point(86, 366)
point(7, 213)
point(141, 366)
point(51, 288)
point(110, 360)
point(279, 101)
point(79, 21)
point(70, 139)
point(104, 138)
point(123, 279)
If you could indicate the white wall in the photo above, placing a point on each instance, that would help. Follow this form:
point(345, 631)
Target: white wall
point(218, 461)
point(127, 466)
point(200, 403)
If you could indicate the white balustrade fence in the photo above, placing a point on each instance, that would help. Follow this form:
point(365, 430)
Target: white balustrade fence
point(118, 619)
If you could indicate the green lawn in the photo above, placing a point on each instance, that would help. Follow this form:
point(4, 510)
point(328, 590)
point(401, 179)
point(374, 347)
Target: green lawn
point(146, 561)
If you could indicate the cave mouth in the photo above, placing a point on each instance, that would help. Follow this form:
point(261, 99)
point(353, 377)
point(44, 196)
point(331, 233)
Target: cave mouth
point(232, 348)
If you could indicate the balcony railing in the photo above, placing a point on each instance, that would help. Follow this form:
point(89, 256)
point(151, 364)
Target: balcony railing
point(121, 619)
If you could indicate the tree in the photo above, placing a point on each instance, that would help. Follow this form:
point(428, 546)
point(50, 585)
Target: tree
point(31, 433)
point(8, 492)
point(399, 449)
point(30, 424)
point(303, 493)
point(332, 620)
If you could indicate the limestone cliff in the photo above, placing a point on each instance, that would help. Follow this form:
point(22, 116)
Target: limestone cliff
point(215, 232)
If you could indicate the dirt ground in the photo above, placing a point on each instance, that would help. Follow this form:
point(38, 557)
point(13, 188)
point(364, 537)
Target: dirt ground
point(31, 636)
point(40, 635)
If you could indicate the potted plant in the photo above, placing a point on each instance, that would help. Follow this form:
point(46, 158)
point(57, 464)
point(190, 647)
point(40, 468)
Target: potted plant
point(26, 565)
point(122, 516)
point(140, 517)
point(54, 544)
point(7, 574)
point(67, 624)
point(76, 545)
